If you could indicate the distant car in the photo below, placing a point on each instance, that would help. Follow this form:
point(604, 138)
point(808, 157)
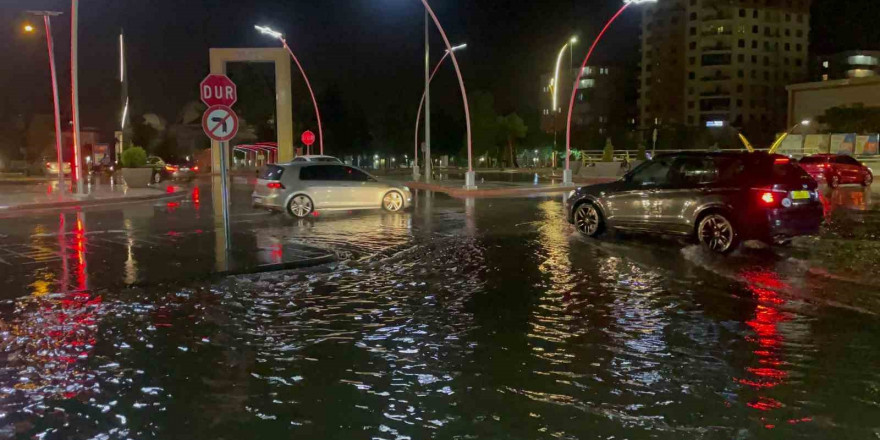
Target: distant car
point(181, 171)
point(300, 189)
point(718, 198)
point(158, 166)
point(51, 168)
point(836, 170)
point(316, 158)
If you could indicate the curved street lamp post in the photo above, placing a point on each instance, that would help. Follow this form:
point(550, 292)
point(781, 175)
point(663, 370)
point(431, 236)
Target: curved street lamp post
point(422, 104)
point(268, 31)
point(567, 177)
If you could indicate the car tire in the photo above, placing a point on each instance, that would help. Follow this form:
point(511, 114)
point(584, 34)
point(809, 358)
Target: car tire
point(868, 180)
point(392, 201)
point(300, 206)
point(834, 181)
point(588, 220)
point(717, 233)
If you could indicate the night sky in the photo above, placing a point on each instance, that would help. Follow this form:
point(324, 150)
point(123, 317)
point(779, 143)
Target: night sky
point(370, 49)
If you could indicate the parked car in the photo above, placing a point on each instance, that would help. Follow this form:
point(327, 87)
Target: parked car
point(303, 188)
point(718, 198)
point(158, 166)
point(836, 170)
point(316, 158)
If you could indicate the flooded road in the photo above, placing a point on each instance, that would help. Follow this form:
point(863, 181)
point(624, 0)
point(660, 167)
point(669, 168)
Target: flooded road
point(456, 320)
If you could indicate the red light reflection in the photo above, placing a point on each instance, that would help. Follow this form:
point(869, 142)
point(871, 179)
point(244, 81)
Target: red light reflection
point(196, 195)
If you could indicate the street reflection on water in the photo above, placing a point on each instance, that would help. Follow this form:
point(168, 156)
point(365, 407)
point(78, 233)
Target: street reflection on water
point(459, 319)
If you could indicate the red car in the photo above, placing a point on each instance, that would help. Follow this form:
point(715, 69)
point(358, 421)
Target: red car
point(836, 170)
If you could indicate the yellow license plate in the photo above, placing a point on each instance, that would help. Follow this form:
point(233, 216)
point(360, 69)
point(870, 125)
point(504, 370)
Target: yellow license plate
point(800, 195)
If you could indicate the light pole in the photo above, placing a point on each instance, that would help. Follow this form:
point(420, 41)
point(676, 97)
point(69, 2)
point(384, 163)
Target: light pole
point(74, 84)
point(566, 176)
point(778, 143)
point(421, 105)
point(268, 31)
point(47, 15)
point(470, 177)
point(554, 84)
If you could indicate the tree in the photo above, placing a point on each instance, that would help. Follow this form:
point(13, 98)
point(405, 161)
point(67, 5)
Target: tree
point(854, 119)
point(512, 128)
point(608, 152)
point(145, 134)
point(484, 124)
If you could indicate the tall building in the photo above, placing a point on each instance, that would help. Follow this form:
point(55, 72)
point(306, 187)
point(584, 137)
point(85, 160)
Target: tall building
point(721, 60)
point(599, 102)
point(845, 65)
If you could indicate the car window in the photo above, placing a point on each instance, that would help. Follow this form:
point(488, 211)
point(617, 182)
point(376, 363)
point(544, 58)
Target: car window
point(848, 160)
point(813, 160)
point(693, 171)
point(298, 159)
point(314, 173)
point(326, 160)
point(356, 175)
point(655, 172)
point(272, 172)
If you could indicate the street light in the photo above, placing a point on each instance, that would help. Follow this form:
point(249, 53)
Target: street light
point(471, 176)
point(278, 36)
point(566, 176)
point(422, 104)
point(778, 143)
point(47, 15)
point(554, 83)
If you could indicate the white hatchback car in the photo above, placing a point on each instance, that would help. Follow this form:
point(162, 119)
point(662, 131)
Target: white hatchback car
point(303, 188)
point(316, 158)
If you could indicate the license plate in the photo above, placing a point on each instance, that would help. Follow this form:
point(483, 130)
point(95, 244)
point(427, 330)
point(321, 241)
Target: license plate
point(800, 195)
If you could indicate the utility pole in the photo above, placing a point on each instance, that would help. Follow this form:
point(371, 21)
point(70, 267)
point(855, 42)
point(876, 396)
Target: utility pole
point(74, 84)
point(429, 164)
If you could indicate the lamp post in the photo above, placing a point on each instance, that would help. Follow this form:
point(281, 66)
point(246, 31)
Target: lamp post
point(554, 84)
point(778, 143)
point(47, 22)
point(421, 105)
point(277, 35)
point(74, 85)
point(566, 175)
point(471, 176)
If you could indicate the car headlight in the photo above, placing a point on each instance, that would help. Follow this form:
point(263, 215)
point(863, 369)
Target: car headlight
point(406, 188)
point(572, 194)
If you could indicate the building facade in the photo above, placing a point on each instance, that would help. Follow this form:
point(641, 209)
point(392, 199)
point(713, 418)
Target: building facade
point(721, 60)
point(845, 65)
point(599, 101)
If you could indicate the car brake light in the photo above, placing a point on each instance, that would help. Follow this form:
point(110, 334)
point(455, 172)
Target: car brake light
point(768, 198)
point(274, 185)
point(170, 168)
point(781, 160)
point(48, 165)
point(195, 168)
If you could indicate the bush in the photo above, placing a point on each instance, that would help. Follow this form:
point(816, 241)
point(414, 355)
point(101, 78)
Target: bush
point(642, 154)
point(134, 157)
point(608, 152)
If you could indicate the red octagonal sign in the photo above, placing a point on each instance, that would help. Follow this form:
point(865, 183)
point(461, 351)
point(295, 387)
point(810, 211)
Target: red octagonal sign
point(218, 90)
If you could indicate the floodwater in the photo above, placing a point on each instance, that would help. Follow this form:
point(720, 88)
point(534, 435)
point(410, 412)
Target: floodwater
point(483, 319)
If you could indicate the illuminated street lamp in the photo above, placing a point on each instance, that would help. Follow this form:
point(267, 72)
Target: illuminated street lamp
point(470, 178)
point(422, 104)
point(280, 37)
point(778, 143)
point(47, 22)
point(566, 176)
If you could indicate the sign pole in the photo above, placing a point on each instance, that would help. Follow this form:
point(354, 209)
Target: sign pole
point(224, 190)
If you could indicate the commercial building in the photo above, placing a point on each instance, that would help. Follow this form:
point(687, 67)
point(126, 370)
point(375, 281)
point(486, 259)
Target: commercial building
point(721, 60)
point(811, 100)
point(849, 64)
point(599, 101)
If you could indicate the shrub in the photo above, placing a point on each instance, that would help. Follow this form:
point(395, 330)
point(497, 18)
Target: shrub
point(608, 152)
point(134, 157)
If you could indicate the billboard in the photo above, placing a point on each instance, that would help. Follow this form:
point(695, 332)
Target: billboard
point(871, 146)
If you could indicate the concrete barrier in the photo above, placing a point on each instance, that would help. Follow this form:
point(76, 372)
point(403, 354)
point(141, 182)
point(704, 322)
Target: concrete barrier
point(603, 170)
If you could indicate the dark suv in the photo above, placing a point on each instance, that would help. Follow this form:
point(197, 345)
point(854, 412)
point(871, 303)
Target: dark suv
point(720, 198)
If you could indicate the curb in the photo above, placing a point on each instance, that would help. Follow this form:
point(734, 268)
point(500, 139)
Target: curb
point(461, 193)
point(92, 202)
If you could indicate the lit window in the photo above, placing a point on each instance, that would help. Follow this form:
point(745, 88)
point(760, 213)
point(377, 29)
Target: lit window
point(825, 64)
point(863, 60)
point(586, 83)
point(825, 77)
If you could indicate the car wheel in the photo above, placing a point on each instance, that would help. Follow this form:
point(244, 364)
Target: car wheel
point(716, 233)
point(300, 206)
point(157, 178)
point(834, 181)
point(869, 179)
point(393, 201)
point(588, 220)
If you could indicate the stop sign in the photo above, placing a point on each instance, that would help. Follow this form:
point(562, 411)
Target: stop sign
point(308, 138)
point(218, 90)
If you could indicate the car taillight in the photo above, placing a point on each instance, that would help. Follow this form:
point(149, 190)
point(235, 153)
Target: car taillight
point(768, 198)
point(781, 160)
point(48, 165)
point(170, 168)
point(274, 185)
point(195, 168)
